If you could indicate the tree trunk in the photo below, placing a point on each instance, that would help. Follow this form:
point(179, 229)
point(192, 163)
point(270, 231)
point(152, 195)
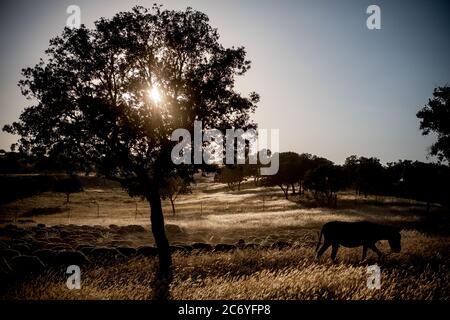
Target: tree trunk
point(173, 207)
point(293, 188)
point(329, 196)
point(159, 234)
point(67, 197)
point(285, 191)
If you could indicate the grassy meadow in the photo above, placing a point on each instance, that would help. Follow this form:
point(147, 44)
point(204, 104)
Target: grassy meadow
point(213, 215)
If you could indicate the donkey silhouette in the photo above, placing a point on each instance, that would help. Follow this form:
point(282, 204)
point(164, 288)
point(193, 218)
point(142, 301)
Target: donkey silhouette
point(355, 234)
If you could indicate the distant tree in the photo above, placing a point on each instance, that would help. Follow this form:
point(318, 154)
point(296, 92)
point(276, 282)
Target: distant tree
point(288, 173)
point(232, 175)
point(435, 117)
point(351, 167)
point(94, 101)
point(395, 176)
point(291, 163)
point(305, 164)
point(14, 162)
point(427, 182)
point(16, 187)
point(69, 185)
point(325, 179)
point(293, 168)
point(253, 170)
point(173, 187)
point(366, 175)
point(311, 162)
point(370, 175)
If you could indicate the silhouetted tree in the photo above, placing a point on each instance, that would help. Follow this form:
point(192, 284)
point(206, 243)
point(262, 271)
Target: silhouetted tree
point(309, 163)
point(325, 179)
point(427, 182)
point(395, 176)
point(93, 103)
point(288, 173)
point(350, 167)
point(232, 175)
point(16, 187)
point(293, 169)
point(366, 175)
point(173, 187)
point(253, 170)
point(435, 117)
point(306, 163)
point(14, 162)
point(69, 185)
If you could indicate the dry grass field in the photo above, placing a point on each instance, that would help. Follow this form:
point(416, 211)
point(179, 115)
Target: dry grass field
point(213, 215)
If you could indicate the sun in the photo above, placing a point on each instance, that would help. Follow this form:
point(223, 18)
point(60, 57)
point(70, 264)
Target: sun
point(155, 94)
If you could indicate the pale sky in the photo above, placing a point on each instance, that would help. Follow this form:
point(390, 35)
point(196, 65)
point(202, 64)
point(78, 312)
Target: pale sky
point(332, 87)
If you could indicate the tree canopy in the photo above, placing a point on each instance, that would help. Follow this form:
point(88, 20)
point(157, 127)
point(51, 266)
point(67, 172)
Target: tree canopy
point(93, 103)
point(435, 117)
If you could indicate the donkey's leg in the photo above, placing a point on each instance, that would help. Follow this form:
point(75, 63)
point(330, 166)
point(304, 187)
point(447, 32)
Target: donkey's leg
point(364, 253)
point(375, 249)
point(324, 247)
point(334, 251)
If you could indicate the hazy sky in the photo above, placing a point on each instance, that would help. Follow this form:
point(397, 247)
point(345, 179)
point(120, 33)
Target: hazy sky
point(332, 87)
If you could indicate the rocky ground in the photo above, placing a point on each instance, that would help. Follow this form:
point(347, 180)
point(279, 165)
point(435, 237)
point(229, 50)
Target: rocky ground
point(32, 249)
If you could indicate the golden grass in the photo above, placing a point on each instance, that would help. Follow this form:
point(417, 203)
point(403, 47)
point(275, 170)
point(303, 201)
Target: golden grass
point(421, 271)
point(213, 214)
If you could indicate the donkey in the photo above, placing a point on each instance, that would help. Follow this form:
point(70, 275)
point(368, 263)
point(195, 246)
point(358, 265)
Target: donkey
point(355, 234)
